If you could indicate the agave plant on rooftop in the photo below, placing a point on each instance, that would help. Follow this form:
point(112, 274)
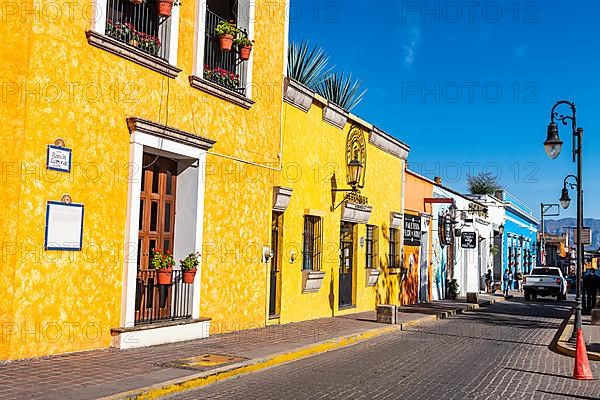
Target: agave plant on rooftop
point(342, 90)
point(307, 66)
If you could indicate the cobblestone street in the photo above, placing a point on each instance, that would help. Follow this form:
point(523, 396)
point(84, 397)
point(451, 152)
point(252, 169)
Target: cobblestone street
point(500, 352)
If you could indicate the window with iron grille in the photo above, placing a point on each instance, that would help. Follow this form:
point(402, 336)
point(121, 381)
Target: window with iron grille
point(312, 244)
point(139, 26)
point(371, 244)
point(394, 241)
point(225, 68)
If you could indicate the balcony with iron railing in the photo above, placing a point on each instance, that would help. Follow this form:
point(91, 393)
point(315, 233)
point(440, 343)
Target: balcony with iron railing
point(224, 68)
point(139, 26)
point(155, 302)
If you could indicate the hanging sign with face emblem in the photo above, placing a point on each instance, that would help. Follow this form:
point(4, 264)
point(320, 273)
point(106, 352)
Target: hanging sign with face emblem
point(356, 148)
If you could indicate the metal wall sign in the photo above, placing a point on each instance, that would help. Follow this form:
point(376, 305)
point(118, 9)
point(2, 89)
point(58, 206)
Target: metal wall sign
point(58, 159)
point(412, 230)
point(468, 240)
point(64, 226)
point(586, 236)
point(446, 234)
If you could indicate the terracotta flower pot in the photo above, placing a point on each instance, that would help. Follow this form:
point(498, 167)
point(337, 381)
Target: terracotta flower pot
point(189, 275)
point(226, 41)
point(245, 53)
point(165, 276)
point(165, 7)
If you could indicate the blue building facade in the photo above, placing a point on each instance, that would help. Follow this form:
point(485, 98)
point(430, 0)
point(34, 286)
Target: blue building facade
point(519, 241)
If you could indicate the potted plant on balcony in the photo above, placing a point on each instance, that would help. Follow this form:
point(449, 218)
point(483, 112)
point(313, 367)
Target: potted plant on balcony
point(163, 264)
point(244, 46)
point(189, 266)
point(226, 32)
point(149, 43)
point(165, 7)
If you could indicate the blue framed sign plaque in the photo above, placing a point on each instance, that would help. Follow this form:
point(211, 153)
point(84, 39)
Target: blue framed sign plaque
point(58, 158)
point(64, 226)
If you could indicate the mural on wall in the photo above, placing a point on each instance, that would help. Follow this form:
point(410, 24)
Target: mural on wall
point(410, 284)
point(412, 249)
point(440, 241)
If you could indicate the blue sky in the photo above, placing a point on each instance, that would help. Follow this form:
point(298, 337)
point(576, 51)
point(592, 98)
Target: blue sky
point(470, 87)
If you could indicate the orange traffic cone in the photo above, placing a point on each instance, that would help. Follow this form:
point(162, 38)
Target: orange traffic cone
point(582, 369)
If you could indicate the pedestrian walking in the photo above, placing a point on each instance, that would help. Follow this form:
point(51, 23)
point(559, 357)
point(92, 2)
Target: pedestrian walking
point(488, 281)
point(506, 278)
point(587, 280)
point(590, 285)
point(520, 281)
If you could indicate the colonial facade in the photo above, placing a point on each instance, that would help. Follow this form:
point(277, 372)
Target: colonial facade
point(519, 250)
point(337, 244)
point(132, 131)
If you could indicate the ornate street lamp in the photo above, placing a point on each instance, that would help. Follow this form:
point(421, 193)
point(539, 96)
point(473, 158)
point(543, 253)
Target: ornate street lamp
point(553, 144)
point(553, 147)
point(565, 200)
point(355, 169)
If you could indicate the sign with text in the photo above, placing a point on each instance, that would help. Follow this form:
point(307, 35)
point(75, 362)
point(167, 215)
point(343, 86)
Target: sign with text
point(58, 159)
point(468, 240)
point(412, 230)
point(586, 236)
point(445, 230)
point(64, 226)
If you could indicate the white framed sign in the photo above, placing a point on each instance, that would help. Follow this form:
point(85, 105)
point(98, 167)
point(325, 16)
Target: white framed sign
point(64, 226)
point(58, 158)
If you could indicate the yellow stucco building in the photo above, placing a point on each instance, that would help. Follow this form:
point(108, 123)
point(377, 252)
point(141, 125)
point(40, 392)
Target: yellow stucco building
point(156, 148)
point(338, 251)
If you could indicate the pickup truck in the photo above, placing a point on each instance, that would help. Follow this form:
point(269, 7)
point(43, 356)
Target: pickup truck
point(545, 281)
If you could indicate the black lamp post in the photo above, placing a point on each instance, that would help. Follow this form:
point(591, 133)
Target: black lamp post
point(545, 212)
point(553, 147)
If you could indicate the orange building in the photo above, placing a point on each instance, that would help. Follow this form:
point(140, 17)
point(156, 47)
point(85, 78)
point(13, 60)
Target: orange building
point(416, 285)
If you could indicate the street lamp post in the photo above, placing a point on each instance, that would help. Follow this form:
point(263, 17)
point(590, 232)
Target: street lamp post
point(553, 147)
point(545, 212)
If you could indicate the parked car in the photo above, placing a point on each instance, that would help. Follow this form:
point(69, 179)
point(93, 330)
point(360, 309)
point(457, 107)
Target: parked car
point(545, 281)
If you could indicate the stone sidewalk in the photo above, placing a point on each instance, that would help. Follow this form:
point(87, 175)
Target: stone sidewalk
point(123, 373)
point(591, 334)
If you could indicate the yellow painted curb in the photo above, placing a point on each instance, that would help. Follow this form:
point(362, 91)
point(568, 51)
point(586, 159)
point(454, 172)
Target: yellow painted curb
point(206, 378)
point(219, 374)
point(564, 348)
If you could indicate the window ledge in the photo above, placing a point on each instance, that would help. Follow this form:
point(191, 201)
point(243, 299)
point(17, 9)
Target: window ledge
point(220, 92)
point(132, 54)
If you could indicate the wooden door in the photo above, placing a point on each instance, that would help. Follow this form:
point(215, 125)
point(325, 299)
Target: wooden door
point(156, 232)
point(346, 284)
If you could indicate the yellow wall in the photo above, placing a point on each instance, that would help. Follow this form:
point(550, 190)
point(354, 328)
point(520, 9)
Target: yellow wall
point(55, 302)
point(312, 151)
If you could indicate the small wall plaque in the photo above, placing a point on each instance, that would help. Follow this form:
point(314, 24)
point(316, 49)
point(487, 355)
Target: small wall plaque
point(64, 226)
point(58, 158)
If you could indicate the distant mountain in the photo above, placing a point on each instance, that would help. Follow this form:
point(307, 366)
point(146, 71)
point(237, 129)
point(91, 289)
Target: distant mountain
point(560, 225)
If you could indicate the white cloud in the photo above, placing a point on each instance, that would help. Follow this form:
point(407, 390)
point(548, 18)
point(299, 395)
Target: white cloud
point(410, 47)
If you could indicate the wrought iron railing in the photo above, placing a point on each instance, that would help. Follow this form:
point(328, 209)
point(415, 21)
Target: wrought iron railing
point(154, 302)
point(222, 67)
point(139, 26)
